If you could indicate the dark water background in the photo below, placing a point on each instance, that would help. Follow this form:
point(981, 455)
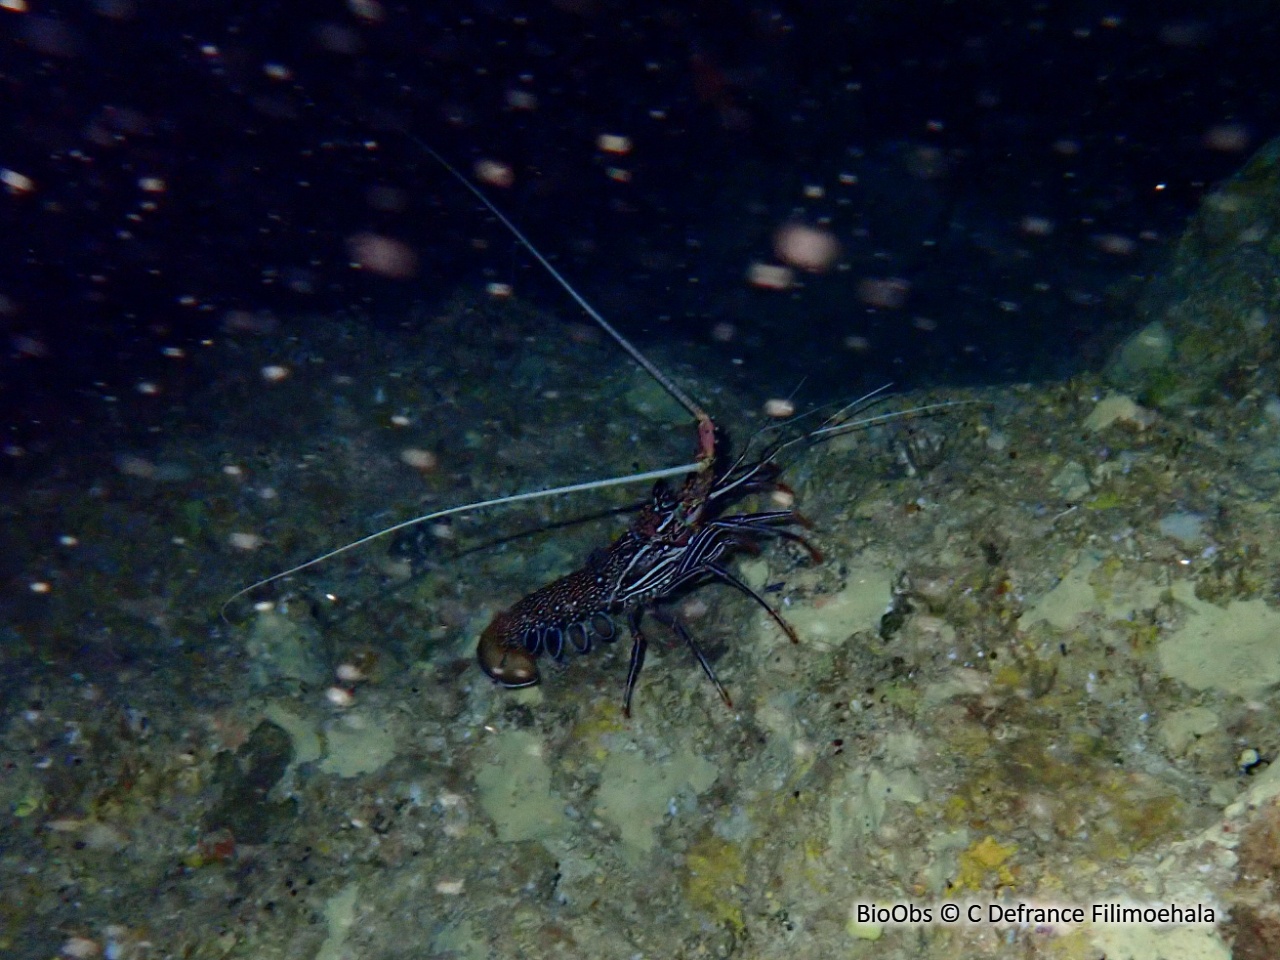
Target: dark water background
point(1012, 171)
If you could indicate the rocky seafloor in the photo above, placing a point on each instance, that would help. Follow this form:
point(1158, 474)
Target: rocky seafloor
point(1037, 665)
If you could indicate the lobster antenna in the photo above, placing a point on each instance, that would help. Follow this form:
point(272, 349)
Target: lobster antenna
point(465, 508)
point(706, 427)
point(649, 367)
point(835, 429)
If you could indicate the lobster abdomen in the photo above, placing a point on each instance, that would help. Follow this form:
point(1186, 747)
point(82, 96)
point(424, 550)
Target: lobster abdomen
point(571, 610)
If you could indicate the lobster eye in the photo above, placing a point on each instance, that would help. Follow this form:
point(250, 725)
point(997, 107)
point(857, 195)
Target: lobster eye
point(662, 496)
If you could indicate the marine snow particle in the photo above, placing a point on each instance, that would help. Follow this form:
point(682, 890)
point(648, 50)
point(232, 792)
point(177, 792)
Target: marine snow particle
point(723, 332)
point(80, 948)
point(779, 408)
point(522, 100)
point(695, 608)
point(26, 346)
point(856, 343)
point(40, 586)
point(274, 373)
point(241, 321)
point(245, 541)
point(423, 460)
point(449, 888)
point(499, 291)
point(885, 293)
point(1115, 244)
point(494, 173)
point(1227, 137)
point(368, 10)
point(613, 143)
point(805, 247)
point(784, 499)
point(348, 673)
point(1034, 226)
point(152, 185)
point(770, 276)
point(339, 697)
point(134, 466)
point(382, 255)
point(16, 182)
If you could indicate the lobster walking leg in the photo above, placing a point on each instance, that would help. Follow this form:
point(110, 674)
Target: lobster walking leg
point(675, 624)
point(639, 645)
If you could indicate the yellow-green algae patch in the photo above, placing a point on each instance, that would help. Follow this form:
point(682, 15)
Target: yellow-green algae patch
point(1234, 649)
point(1093, 585)
point(716, 868)
point(636, 792)
point(1068, 778)
point(515, 789)
point(859, 606)
point(356, 745)
point(339, 916)
point(307, 745)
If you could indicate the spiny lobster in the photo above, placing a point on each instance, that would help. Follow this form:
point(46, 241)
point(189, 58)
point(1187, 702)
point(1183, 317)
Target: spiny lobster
point(677, 541)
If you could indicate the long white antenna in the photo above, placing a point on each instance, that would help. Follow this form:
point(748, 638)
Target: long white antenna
point(667, 383)
point(465, 508)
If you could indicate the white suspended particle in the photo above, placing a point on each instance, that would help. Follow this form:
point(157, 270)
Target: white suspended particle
point(723, 332)
point(245, 541)
point(16, 182)
point(614, 143)
point(348, 673)
point(779, 408)
point(340, 697)
point(423, 460)
point(770, 276)
point(494, 173)
point(274, 373)
point(522, 100)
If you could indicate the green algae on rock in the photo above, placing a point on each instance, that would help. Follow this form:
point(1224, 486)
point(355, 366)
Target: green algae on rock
point(1208, 311)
